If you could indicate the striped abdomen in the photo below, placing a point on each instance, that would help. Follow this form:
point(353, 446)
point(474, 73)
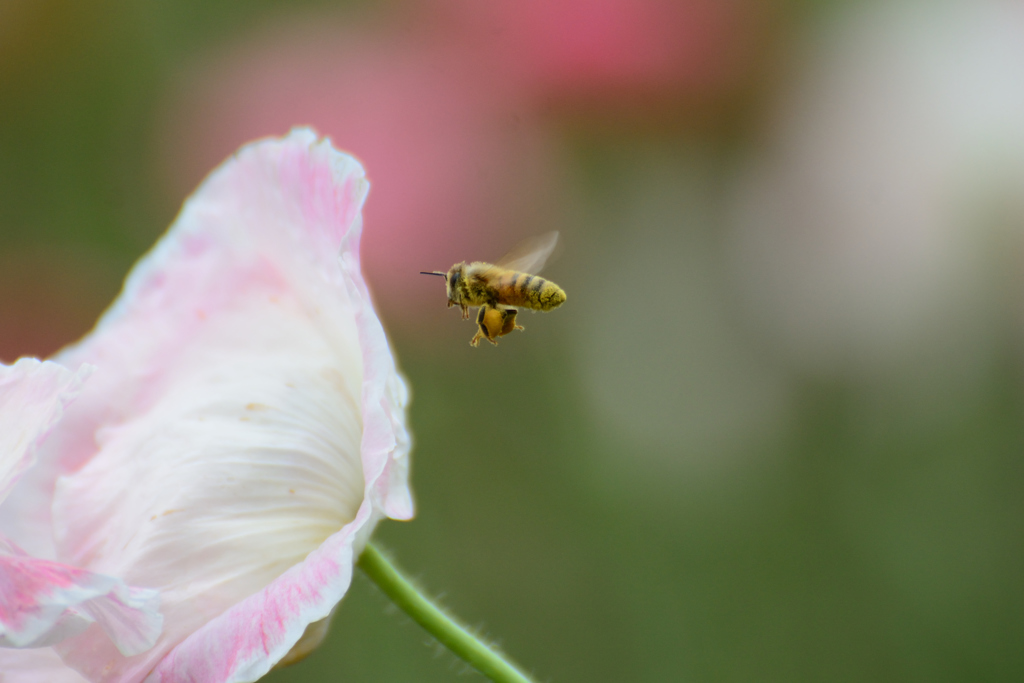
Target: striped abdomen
point(529, 291)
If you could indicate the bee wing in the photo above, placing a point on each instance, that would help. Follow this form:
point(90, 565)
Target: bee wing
point(531, 254)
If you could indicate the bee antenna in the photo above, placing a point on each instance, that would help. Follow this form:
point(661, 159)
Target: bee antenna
point(433, 272)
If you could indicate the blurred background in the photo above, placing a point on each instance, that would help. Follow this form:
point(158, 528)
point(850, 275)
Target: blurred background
point(775, 433)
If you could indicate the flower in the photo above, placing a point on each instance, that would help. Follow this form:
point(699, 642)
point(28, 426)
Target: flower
point(242, 435)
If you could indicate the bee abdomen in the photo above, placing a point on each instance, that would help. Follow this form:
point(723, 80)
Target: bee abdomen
point(532, 291)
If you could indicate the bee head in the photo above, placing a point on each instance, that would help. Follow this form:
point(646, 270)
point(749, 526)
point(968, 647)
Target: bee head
point(452, 281)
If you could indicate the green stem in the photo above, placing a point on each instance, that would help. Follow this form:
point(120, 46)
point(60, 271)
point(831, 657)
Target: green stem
point(425, 613)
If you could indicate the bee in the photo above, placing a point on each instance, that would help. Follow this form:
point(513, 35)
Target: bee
point(500, 289)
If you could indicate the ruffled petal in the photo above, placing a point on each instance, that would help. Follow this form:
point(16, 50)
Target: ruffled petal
point(385, 441)
point(249, 414)
point(33, 394)
point(44, 602)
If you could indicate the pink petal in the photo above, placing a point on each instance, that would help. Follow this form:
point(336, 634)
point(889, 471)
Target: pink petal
point(41, 601)
point(247, 430)
point(247, 640)
point(44, 602)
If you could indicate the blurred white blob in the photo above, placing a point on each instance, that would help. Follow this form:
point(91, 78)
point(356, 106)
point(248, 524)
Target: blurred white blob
point(668, 368)
point(881, 226)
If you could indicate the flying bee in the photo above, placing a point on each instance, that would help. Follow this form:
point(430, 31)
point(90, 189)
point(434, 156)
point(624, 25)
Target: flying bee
point(501, 288)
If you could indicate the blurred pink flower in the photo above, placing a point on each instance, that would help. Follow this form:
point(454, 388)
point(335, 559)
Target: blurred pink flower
point(243, 433)
point(615, 50)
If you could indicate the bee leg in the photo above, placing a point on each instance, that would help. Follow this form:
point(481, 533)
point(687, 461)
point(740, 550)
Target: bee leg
point(481, 332)
point(486, 324)
point(465, 312)
point(475, 341)
point(508, 321)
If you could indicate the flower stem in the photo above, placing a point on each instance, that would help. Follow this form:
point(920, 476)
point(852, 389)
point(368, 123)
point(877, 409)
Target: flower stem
point(442, 627)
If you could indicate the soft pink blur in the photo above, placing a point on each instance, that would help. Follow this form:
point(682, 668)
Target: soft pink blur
point(446, 104)
point(609, 50)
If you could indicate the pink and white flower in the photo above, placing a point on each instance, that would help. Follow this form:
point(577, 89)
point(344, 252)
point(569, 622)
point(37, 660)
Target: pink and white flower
point(242, 435)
